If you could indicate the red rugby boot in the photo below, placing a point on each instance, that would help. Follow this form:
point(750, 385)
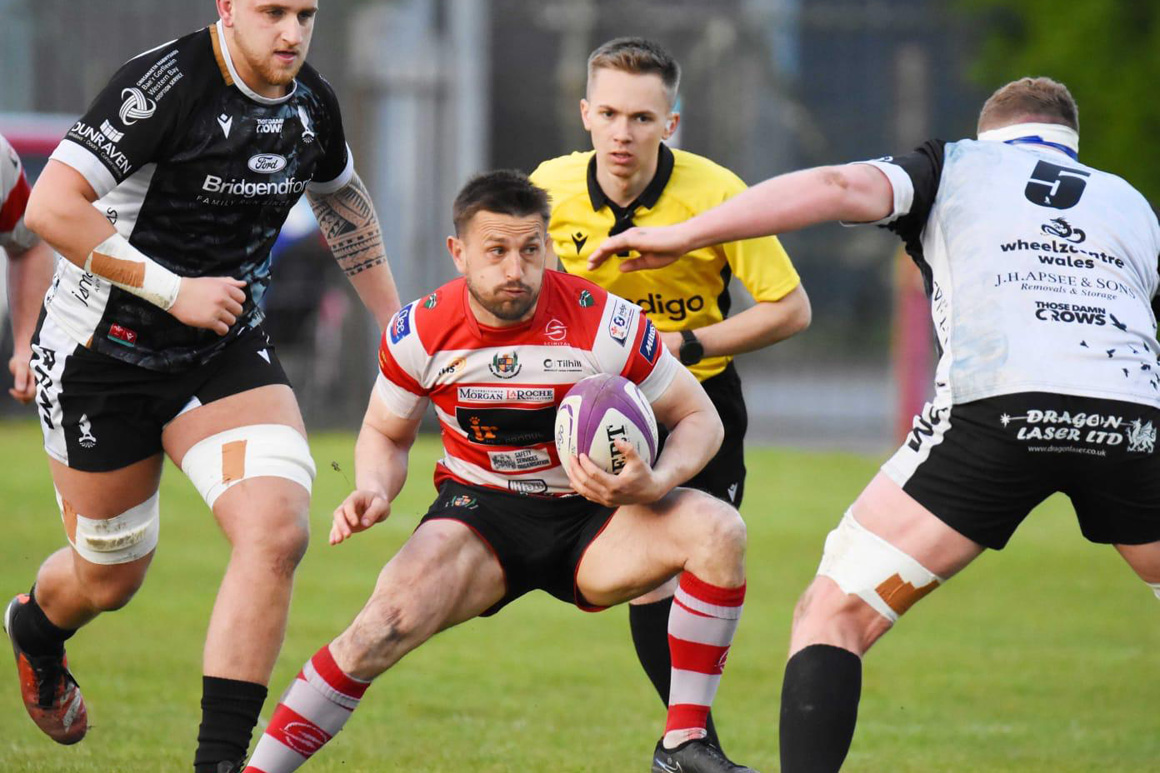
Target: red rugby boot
point(51, 695)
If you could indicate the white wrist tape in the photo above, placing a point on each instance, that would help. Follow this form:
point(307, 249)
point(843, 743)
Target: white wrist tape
point(133, 271)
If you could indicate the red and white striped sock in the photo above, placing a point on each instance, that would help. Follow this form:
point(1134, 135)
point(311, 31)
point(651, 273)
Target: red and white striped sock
point(312, 711)
point(701, 628)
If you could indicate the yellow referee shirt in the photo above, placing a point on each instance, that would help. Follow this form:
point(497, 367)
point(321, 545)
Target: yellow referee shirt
point(692, 292)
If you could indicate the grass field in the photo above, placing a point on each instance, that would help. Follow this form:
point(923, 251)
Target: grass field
point(1043, 659)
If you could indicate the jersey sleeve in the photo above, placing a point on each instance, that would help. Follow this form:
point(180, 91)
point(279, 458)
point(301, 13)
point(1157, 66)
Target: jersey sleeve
point(128, 122)
point(336, 168)
point(914, 178)
point(627, 343)
point(400, 367)
point(14, 190)
point(762, 265)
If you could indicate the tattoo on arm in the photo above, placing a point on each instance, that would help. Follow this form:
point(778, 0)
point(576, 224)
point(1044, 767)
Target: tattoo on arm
point(351, 227)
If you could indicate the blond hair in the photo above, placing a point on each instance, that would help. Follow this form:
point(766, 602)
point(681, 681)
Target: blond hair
point(638, 56)
point(1040, 99)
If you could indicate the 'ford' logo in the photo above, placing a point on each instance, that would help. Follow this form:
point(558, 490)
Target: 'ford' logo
point(267, 163)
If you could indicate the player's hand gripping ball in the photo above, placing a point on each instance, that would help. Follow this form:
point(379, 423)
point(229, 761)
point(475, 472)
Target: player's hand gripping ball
point(596, 412)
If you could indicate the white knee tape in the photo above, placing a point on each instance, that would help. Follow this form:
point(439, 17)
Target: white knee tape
point(255, 451)
point(865, 565)
point(1155, 586)
point(117, 540)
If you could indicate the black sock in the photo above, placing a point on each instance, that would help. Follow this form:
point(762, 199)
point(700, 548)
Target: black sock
point(229, 711)
point(819, 707)
point(650, 634)
point(35, 633)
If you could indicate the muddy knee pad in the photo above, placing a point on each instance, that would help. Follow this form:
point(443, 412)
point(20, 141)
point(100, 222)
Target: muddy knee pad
point(118, 540)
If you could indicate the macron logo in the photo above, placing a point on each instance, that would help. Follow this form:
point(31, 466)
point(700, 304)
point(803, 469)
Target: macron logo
point(226, 122)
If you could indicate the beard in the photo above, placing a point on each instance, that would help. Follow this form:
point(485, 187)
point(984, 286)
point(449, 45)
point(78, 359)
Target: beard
point(266, 66)
point(512, 310)
point(277, 76)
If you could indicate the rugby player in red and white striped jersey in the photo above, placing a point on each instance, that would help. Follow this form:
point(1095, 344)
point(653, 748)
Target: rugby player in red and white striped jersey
point(29, 270)
point(495, 389)
point(494, 352)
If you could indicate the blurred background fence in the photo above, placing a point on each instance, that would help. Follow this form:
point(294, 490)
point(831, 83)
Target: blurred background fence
point(434, 90)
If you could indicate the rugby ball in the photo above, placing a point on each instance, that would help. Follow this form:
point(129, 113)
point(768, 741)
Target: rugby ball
point(598, 410)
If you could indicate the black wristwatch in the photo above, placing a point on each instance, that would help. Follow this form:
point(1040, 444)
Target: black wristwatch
point(691, 350)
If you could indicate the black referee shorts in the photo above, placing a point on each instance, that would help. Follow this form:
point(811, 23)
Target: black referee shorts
point(538, 541)
point(724, 475)
point(982, 466)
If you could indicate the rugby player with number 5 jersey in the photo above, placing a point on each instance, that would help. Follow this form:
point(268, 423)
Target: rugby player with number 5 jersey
point(493, 353)
point(1042, 274)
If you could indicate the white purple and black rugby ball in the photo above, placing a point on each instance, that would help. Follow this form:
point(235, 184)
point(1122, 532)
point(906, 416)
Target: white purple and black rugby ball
point(596, 411)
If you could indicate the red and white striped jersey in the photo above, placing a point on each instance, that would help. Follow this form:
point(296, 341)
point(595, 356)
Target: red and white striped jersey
point(496, 390)
point(13, 199)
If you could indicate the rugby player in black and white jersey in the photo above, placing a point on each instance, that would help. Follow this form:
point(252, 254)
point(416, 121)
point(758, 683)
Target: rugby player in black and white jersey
point(1042, 273)
point(29, 270)
point(164, 200)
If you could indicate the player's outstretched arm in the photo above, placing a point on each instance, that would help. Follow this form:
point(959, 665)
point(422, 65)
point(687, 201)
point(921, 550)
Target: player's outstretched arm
point(60, 211)
point(29, 275)
point(351, 227)
point(380, 460)
point(788, 202)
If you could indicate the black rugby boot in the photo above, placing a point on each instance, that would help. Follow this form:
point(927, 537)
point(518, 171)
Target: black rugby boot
point(696, 756)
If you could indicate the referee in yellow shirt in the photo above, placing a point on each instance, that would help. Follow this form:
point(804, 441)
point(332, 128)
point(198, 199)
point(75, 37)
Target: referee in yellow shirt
point(632, 178)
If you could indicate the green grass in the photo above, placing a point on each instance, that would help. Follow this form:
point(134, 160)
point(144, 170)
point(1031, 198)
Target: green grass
point(1041, 659)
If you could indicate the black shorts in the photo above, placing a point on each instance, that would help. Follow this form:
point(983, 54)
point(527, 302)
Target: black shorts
point(983, 466)
point(724, 475)
point(99, 413)
point(538, 541)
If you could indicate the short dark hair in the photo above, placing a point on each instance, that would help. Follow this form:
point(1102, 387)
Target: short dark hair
point(505, 192)
point(1043, 99)
point(639, 56)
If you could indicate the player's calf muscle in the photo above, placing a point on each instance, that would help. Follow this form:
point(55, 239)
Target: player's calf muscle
point(827, 615)
point(115, 589)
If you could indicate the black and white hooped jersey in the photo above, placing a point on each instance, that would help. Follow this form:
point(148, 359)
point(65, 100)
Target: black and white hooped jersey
point(1041, 270)
point(198, 172)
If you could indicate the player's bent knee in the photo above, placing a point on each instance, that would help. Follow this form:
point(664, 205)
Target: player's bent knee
point(281, 549)
point(825, 614)
point(113, 593)
point(118, 540)
point(863, 564)
point(384, 631)
point(220, 461)
point(727, 534)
